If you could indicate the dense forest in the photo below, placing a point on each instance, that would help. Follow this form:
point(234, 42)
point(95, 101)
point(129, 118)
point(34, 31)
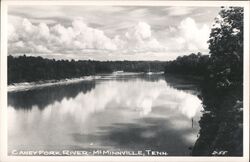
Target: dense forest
point(29, 69)
point(193, 64)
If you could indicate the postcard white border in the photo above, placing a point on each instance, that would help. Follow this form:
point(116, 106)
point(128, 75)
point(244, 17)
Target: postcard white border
point(3, 86)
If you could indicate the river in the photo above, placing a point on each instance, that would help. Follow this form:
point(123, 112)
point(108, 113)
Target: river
point(114, 112)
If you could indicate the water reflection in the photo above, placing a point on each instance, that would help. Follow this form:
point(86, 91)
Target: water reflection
point(187, 83)
point(142, 112)
point(41, 97)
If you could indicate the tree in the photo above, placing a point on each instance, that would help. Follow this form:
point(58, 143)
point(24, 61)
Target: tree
point(226, 48)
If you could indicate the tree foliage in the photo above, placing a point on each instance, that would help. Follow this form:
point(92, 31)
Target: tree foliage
point(226, 48)
point(30, 69)
point(193, 64)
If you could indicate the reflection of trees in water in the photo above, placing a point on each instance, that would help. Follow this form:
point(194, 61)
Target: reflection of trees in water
point(153, 77)
point(182, 82)
point(131, 77)
point(221, 128)
point(42, 97)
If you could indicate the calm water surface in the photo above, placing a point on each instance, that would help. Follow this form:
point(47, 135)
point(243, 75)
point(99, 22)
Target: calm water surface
point(115, 112)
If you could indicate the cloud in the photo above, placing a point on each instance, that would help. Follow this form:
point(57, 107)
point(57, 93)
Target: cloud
point(189, 36)
point(26, 37)
point(78, 40)
point(44, 39)
point(139, 39)
point(109, 32)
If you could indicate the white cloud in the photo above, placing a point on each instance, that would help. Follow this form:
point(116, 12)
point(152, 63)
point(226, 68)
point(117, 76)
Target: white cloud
point(12, 35)
point(139, 38)
point(44, 39)
point(78, 38)
point(156, 31)
point(141, 31)
point(190, 37)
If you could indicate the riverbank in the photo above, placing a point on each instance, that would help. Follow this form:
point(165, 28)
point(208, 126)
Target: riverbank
point(31, 85)
point(24, 86)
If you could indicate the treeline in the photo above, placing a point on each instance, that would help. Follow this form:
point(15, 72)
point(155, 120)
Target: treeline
point(29, 69)
point(193, 64)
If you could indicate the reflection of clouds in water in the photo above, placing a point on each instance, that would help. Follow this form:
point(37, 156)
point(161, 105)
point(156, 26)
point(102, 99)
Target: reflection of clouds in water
point(130, 100)
point(137, 96)
point(128, 95)
point(190, 137)
point(188, 104)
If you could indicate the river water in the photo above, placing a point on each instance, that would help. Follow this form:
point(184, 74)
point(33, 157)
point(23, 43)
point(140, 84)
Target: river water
point(114, 112)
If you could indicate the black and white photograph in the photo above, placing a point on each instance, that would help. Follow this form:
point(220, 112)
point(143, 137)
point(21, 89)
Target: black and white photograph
point(125, 80)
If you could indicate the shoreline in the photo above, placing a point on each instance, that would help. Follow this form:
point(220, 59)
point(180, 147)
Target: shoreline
point(24, 86)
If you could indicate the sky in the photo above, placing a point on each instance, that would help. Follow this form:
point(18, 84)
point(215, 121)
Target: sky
point(109, 32)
